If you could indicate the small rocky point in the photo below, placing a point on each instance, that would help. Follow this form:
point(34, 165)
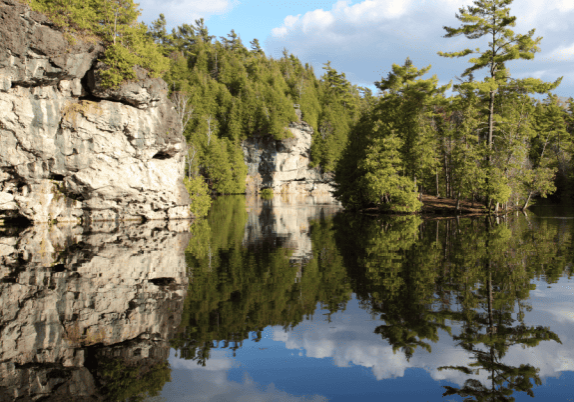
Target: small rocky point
point(73, 151)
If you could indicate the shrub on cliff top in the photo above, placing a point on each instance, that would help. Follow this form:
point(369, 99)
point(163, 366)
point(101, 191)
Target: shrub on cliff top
point(114, 22)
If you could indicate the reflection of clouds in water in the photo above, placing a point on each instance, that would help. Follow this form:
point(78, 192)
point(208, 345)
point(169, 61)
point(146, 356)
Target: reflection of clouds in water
point(353, 342)
point(349, 339)
point(194, 383)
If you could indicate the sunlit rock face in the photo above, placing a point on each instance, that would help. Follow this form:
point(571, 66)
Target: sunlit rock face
point(70, 295)
point(284, 165)
point(287, 218)
point(71, 150)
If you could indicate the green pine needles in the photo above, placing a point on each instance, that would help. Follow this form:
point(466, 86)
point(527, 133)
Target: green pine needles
point(113, 22)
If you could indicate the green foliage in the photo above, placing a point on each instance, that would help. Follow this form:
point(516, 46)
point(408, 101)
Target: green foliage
point(383, 182)
point(114, 22)
point(340, 103)
point(492, 18)
point(266, 193)
point(199, 194)
point(123, 382)
point(234, 93)
point(390, 148)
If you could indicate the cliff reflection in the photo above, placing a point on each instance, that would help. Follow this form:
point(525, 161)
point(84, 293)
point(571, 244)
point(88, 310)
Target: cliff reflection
point(253, 269)
point(465, 281)
point(86, 314)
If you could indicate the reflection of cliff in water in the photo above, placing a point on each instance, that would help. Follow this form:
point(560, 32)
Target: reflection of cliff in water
point(252, 265)
point(87, 313)
point(285, 221)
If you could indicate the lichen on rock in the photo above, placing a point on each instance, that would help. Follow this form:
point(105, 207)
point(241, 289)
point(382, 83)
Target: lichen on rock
point(71, 150)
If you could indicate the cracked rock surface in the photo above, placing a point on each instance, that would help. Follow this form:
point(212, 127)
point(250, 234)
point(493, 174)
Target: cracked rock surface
point(283, 165)
point(72, 297)
point(70, 150)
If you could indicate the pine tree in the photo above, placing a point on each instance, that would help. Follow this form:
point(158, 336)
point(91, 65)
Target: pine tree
point(492, 19)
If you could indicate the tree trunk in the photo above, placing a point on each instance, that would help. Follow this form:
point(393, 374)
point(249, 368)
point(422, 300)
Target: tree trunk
point(527, 201)
point(437, 190)
point(446, 178)
point(457, 201)
point(489, 142)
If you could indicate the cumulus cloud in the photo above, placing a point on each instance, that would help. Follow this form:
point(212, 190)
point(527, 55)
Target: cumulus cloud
point(194, 383)
point(178, 12)
point(349, 339)
point(365, 38)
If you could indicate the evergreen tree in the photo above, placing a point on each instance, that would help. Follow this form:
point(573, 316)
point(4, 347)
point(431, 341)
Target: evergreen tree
point(399, 116)
point(491, 18)
point(114, 22)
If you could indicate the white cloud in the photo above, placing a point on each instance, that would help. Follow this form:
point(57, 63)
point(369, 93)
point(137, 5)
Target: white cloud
point(562, 53)
point(363, 39)
point(194, 383)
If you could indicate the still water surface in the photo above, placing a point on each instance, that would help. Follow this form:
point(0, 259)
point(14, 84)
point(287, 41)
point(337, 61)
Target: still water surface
point(291, 300)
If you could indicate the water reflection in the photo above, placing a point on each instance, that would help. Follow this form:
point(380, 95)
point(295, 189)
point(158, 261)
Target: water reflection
point(245, 277)
point(87, 313)
point(459, 291)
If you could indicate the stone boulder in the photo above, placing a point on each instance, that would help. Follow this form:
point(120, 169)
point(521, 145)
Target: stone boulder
point(142, 93)
point(33, 53)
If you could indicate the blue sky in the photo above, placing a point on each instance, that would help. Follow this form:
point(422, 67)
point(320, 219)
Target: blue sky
point(363, 38)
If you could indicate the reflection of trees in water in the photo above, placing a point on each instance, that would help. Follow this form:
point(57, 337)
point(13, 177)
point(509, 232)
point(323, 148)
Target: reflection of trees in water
point(121, 373)
point(473, 272)
point(237, 288)
point(418, 277)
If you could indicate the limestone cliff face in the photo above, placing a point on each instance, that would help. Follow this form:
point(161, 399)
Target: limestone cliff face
point(70, 149)
point(284, 165)
point(70, 295)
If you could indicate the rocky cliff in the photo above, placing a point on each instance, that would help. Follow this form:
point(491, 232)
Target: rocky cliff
point(76, 302)
point(284, 165)
point(70, 149)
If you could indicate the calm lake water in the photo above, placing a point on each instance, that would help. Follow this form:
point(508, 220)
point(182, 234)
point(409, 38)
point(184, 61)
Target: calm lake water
point(291, 300)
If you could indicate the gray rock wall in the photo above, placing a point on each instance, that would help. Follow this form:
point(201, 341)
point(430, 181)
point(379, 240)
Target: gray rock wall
point(71, 150)
point(69, 292)
point(284, 165)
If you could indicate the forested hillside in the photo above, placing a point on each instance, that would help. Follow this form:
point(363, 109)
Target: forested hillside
point(226, 92)
point(496, 140)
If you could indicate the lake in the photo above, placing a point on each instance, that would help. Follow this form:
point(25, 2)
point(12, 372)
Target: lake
point(290, 299)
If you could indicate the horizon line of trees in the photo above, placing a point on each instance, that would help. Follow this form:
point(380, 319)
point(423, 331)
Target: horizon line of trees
point(493, 140)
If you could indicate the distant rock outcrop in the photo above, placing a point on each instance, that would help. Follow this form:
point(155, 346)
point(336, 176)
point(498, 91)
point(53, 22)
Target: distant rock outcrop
point(70, 149)
point(283, 165)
